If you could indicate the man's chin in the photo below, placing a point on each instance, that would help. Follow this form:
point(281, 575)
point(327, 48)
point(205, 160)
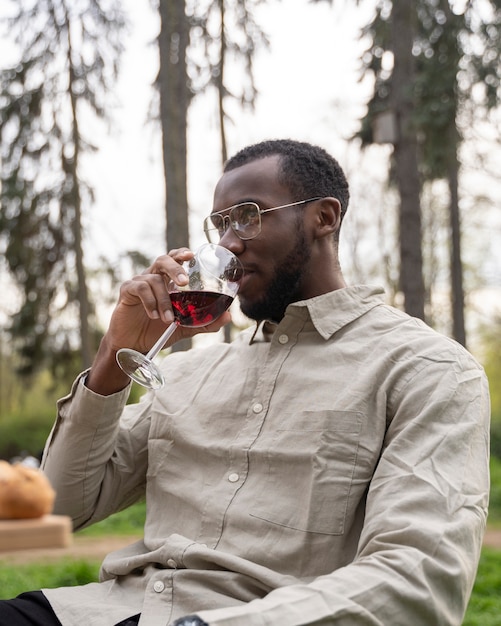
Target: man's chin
point(250, 310)
point(261, 310)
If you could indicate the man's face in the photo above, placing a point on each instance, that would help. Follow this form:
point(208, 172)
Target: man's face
point(277, 261)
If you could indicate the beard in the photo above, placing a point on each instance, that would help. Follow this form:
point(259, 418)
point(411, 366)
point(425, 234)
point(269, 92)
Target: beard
point(285, 286)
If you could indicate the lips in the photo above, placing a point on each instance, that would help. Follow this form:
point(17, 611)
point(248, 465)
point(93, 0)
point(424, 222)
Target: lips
point(247, 276)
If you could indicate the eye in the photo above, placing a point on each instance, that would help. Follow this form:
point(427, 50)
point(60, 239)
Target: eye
point(218, 223)
point(245, 215)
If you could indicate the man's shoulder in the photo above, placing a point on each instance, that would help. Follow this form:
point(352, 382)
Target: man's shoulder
point(395, 327)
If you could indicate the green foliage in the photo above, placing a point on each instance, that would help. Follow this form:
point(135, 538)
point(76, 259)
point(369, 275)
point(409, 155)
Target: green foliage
point(495, 495)
point(496, 438)
point(453, 53)
point(436, 89)
point(66, 62)
point(28, 405)
point(27, 412)
point(491, 360)
point(26, 434)
point(485, 604)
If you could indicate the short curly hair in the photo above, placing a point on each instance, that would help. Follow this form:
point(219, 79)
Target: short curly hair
point(306, 170)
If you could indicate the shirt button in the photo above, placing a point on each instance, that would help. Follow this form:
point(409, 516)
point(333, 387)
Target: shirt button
point(158, 586)
point(171, 563)
point(257, 408)
point(283, 339)
point(233, 478)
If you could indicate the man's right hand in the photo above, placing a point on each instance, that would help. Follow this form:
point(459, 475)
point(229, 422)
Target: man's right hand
point(142, 313)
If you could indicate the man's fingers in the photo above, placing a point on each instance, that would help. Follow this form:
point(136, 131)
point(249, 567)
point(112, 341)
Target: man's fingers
point(151, 291)
point(170, 265)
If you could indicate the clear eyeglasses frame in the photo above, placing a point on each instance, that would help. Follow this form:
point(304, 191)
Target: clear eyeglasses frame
point(244, 219)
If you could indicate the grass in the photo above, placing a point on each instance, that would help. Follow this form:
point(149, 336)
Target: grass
point(127, 522)
point(495, 494)
point(485, 604)
point(63, 573)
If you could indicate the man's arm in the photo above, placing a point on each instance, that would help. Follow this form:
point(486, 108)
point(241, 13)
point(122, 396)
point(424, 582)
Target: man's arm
point(96, 455)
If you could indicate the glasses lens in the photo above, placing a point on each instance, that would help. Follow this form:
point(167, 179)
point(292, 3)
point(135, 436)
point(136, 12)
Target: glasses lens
point(214, 228)
point(246, 220)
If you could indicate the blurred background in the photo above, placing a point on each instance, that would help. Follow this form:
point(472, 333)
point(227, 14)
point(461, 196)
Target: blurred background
point(116, 118)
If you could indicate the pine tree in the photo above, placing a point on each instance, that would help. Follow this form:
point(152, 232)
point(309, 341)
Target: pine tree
point(457, 79)
point(67, 61)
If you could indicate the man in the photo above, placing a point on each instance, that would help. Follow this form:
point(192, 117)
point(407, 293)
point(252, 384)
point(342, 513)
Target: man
point(330, 466)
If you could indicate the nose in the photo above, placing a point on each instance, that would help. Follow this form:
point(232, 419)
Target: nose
point(232, 242)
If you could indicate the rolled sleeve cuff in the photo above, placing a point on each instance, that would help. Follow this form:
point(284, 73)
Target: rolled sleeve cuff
point(88, 408)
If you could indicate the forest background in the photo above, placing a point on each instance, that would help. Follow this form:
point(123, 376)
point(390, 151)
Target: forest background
point(323, 72)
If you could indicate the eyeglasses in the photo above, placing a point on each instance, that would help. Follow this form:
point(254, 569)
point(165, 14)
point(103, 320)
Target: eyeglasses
point(244, 219)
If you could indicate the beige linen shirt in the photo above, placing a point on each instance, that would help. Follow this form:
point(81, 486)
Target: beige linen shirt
point(336, 473)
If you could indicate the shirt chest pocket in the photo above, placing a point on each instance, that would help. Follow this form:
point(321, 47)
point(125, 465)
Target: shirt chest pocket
point(310, 473)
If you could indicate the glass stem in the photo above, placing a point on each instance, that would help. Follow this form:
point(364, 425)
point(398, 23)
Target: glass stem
point(161, 341)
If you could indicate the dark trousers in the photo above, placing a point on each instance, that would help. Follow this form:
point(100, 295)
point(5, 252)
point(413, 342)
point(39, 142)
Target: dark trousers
point(33, 609)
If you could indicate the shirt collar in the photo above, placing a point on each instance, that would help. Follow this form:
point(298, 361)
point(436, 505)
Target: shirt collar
point(330, 311)
point(263, 332)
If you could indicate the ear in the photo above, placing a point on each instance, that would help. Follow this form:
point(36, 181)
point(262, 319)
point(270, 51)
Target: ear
point(328, 216)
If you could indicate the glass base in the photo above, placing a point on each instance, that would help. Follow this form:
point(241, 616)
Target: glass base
point(140, 368)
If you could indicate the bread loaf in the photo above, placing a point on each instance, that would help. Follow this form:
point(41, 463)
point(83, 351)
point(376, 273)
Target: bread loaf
point(24, 492)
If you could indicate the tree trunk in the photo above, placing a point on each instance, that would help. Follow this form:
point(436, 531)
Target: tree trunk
point(221, 90)
point(86, 344)
point(456, 266)
point(174, 90)
point(220, 83)
point(457, 293)
point(406, 159)
point(174, 101)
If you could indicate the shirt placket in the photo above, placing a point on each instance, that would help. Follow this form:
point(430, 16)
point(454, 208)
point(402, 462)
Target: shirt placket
point(158, 597)
point(237, 472)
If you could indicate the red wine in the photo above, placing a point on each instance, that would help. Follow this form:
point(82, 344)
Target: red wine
point(198, 308)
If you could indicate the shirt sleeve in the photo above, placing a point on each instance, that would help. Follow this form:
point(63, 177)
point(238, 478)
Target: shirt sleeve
point(96, 454)
point(425, 516)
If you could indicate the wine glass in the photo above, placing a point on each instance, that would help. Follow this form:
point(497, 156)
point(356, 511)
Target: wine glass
point(213, 280)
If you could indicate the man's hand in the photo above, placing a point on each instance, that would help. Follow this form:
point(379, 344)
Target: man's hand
point(142, 313)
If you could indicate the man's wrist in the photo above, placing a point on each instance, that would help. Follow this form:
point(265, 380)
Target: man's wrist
point(190, 620)
point(105, 376)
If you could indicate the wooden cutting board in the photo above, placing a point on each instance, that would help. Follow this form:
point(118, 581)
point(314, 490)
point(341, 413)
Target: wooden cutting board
point(49, 531)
